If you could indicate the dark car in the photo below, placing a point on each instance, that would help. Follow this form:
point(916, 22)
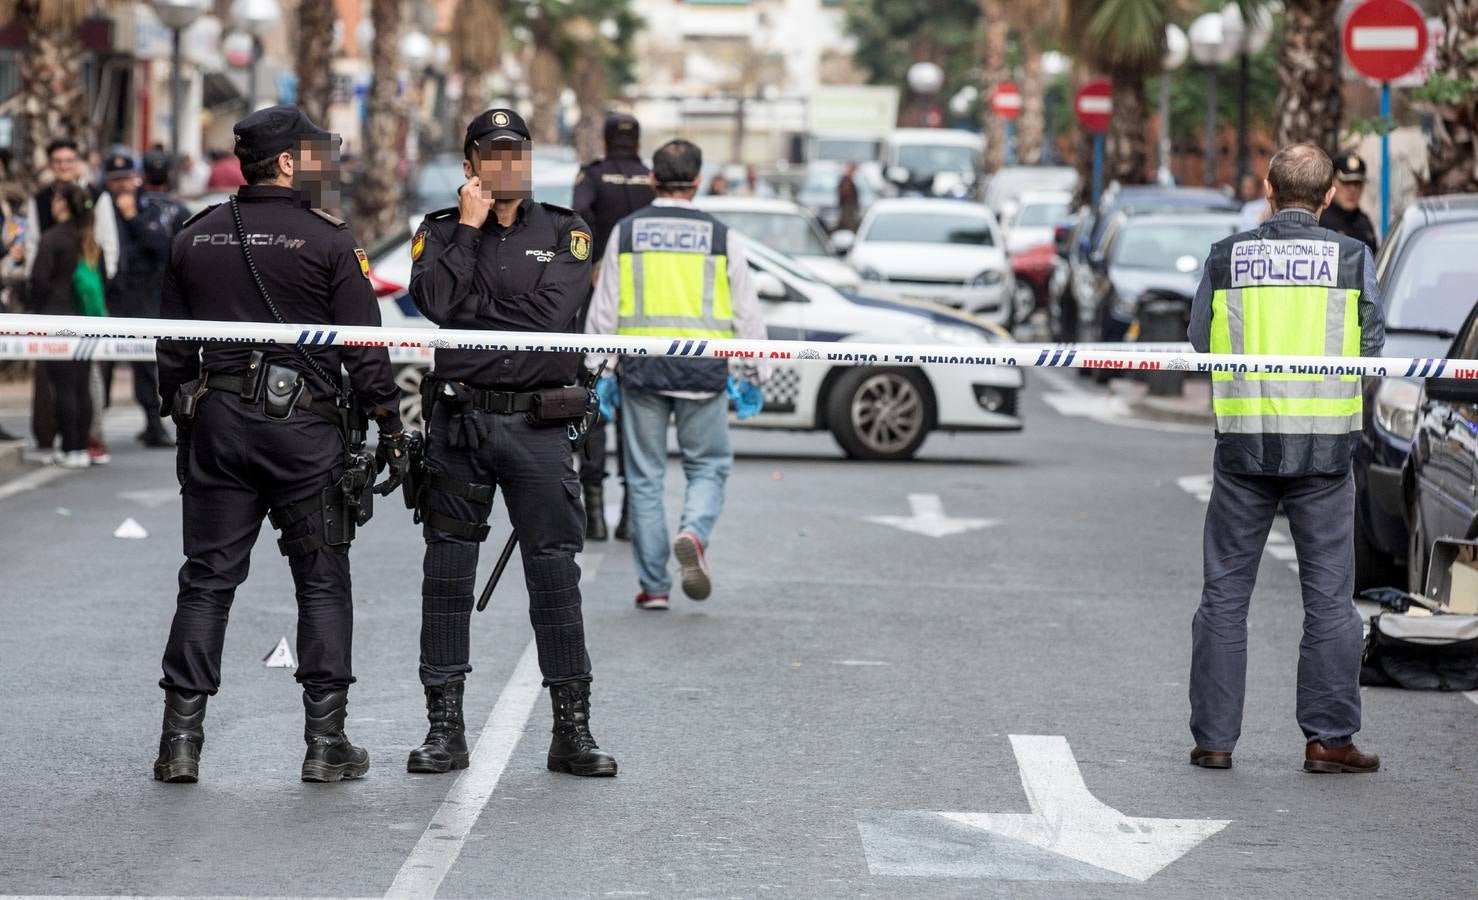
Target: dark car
point(1139, 254)
point(1429, 282)
point(1440, 479)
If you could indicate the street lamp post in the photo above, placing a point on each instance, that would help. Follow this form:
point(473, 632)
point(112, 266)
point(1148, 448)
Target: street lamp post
point(925, 79)
point(177, 15)
point(256, 18)
point(1244, 38)
point(1177, 48)
point(1210, 48)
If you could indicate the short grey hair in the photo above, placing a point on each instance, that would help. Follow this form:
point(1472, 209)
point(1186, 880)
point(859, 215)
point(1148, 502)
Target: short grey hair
point(1300, 175)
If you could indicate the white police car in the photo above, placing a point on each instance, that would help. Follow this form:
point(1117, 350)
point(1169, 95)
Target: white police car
point(874, 412)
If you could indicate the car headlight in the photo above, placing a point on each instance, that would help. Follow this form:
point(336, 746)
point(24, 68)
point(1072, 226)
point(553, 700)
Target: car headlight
point(1125, 304)
point(987, 279)
point(940, 332)
point(1395, 406)
point(870, 274)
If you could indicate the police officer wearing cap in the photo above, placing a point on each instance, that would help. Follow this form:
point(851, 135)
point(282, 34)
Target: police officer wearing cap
point(500, 261)
point(1344, 214)
point(272, 431)
point(608, 190)
point(143, 251)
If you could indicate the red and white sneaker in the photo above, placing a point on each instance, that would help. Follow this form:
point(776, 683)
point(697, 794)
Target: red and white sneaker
point(697, 581)
point(651, 601)
point(97, 452)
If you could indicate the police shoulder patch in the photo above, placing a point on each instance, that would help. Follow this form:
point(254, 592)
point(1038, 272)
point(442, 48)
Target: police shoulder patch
point(418, 243)
point(363, 261)
point(579, 245)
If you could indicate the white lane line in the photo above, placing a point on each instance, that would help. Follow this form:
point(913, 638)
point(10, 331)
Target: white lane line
point(160, 897)
point(1472, 695)
point(1279, 546)
point(31, 480)
point(436, 852)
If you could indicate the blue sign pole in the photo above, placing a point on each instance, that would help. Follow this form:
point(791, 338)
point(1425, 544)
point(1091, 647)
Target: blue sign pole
point(1097, 168)
point(1010, 143)
point(1385, 158)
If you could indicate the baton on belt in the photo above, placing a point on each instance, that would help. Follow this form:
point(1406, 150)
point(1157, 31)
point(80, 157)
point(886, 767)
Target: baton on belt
point(579, 435)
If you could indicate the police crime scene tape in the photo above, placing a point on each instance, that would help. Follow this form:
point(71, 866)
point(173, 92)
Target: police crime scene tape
point(52, 337)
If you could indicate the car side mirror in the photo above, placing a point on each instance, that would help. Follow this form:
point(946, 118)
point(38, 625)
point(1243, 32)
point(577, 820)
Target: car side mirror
point(1452, 390)
point(769, 286)
point(1062, 240)
point(843, 240)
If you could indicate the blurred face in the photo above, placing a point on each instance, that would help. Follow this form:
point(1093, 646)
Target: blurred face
point(505, 168)
point(65, 164)
point(316, 172)
point(60, 212)
point(122, 184)
point(1347, 193)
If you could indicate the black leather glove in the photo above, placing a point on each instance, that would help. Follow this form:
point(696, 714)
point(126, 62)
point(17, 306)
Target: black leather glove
point(396, 453)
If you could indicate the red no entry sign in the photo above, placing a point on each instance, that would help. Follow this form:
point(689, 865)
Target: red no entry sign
point(1094, 105)
point(1385, 39)
point(1005, 101)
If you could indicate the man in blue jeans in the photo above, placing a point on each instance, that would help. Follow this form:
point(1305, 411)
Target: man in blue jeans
point(673, 270)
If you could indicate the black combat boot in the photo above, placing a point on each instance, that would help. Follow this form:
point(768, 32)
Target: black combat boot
point(595, 515)
point(330, 756)
point(154, 435)
point(623, 527)
point(573, 749)
point(181, 739)
point(445, 748)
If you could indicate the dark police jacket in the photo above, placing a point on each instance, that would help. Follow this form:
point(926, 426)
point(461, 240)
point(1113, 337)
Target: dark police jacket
point(312, 269)
point(1351, 223)
point(609, 190)
point(531, 276)
point(143, 253)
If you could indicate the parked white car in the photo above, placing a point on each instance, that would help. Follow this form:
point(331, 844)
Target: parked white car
point(945, 251)
point(874, 412)
point(786, 227)
point(1034, 218)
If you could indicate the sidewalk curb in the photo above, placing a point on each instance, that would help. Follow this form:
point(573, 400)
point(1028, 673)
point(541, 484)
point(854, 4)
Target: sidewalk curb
point(13, 460)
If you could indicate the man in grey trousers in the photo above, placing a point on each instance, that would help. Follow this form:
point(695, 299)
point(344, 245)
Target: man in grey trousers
point(1287, 287)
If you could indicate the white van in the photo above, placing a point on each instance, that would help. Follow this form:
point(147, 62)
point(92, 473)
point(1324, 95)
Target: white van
point(935, 162)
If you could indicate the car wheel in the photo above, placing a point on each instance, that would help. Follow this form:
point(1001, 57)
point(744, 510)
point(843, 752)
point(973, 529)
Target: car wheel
point(1416, 550)
point(1373, 569)
point(880, 414)
point(408, 379)
point(1023, 303)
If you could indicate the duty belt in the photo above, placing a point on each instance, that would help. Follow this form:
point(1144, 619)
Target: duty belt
point(218, 381)
point(504, 403)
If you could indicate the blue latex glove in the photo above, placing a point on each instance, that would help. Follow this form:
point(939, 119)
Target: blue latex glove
point(608, 392)
point(748, 398)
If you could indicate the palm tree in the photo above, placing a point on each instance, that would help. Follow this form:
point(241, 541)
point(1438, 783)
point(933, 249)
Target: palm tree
point(995, 33)
point(1308, 71)
point(1125, 39)
point(315, 58)
point(1453, 156)
point(1037, 24)
point(52, 100)
point(477, 45)
point(376, 202)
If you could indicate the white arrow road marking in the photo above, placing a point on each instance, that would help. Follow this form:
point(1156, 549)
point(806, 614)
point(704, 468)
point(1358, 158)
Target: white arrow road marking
point(1472, 695)
point(1068, 820)
point(929, 519)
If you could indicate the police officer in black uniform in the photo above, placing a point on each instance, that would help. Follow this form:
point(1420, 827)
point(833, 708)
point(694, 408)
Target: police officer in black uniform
point(268, 430)
point(606, 191)
point(1344, 214)
point(501, 261)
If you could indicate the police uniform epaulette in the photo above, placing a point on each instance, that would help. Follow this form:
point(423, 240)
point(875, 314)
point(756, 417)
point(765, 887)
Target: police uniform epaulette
point(195, 218)
point(328, 217)
point(442, 213)
point(562, 210)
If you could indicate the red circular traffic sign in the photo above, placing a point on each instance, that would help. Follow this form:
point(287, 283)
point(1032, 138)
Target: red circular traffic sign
point(1095, 105)
point(1005, 100)
point(1385, 39)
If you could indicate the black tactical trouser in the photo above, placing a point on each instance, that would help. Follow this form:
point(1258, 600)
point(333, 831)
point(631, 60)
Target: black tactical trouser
point(533, 467)
point(241, 464)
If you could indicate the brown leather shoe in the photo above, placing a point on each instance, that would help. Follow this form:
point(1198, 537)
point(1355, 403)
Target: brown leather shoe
point(1211, 759)
point(1339, 760)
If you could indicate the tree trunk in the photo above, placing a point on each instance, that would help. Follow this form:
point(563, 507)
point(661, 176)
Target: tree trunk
point(1453, 157)
point(589, 82)
point(1126, 146)
point(376, 206)
point(997, 31)
point(545, 82)
point(53, 100)
point(1031, 125)
point(1309, 102)
point(477, 47)
point(315, 59)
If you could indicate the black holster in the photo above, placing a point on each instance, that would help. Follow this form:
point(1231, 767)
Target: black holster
point(344, 505)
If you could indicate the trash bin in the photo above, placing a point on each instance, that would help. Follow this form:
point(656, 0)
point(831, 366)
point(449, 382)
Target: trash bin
point(1163, 319)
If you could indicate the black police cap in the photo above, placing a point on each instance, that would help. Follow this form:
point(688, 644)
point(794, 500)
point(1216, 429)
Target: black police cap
point(118, 164)
point(268, 132)
point(1349, 167)
point(157, 166)
point(621, 126)
point(495, 125)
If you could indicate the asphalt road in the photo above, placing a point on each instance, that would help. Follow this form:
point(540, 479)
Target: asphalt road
point(797, 735)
